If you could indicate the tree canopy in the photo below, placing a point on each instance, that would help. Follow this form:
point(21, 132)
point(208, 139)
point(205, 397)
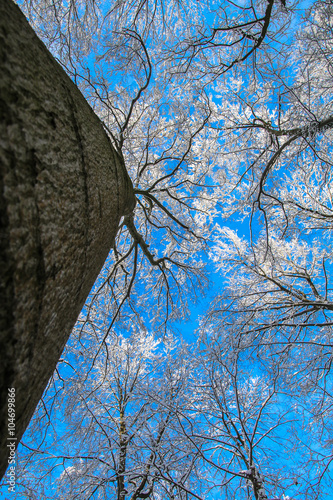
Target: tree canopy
point(223, 114)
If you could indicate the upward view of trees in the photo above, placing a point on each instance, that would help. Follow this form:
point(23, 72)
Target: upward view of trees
point(223, 114)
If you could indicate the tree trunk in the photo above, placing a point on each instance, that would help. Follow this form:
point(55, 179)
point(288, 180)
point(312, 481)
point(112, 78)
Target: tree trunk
point(63, 191)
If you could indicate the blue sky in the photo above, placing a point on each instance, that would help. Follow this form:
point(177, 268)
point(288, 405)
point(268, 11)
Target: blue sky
point(186, 329)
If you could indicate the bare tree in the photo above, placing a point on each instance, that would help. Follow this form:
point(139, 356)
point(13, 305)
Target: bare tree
point(209, 106)
point(121, 437)
point(237, 419)
point(143, 83)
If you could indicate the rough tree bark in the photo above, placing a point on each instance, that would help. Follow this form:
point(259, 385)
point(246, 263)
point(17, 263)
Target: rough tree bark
point(63, 191)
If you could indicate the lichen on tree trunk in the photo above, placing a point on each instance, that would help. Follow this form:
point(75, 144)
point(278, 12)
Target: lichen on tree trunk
point(63, 191)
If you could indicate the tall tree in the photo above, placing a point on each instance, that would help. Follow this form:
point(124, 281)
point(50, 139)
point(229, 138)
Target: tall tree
point(64, 189)
point(207, 110)
point(277, 302)
point(145, 108)
point(120, 435)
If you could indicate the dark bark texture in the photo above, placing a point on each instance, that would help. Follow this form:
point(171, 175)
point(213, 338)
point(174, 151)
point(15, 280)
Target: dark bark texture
point(63, 191)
